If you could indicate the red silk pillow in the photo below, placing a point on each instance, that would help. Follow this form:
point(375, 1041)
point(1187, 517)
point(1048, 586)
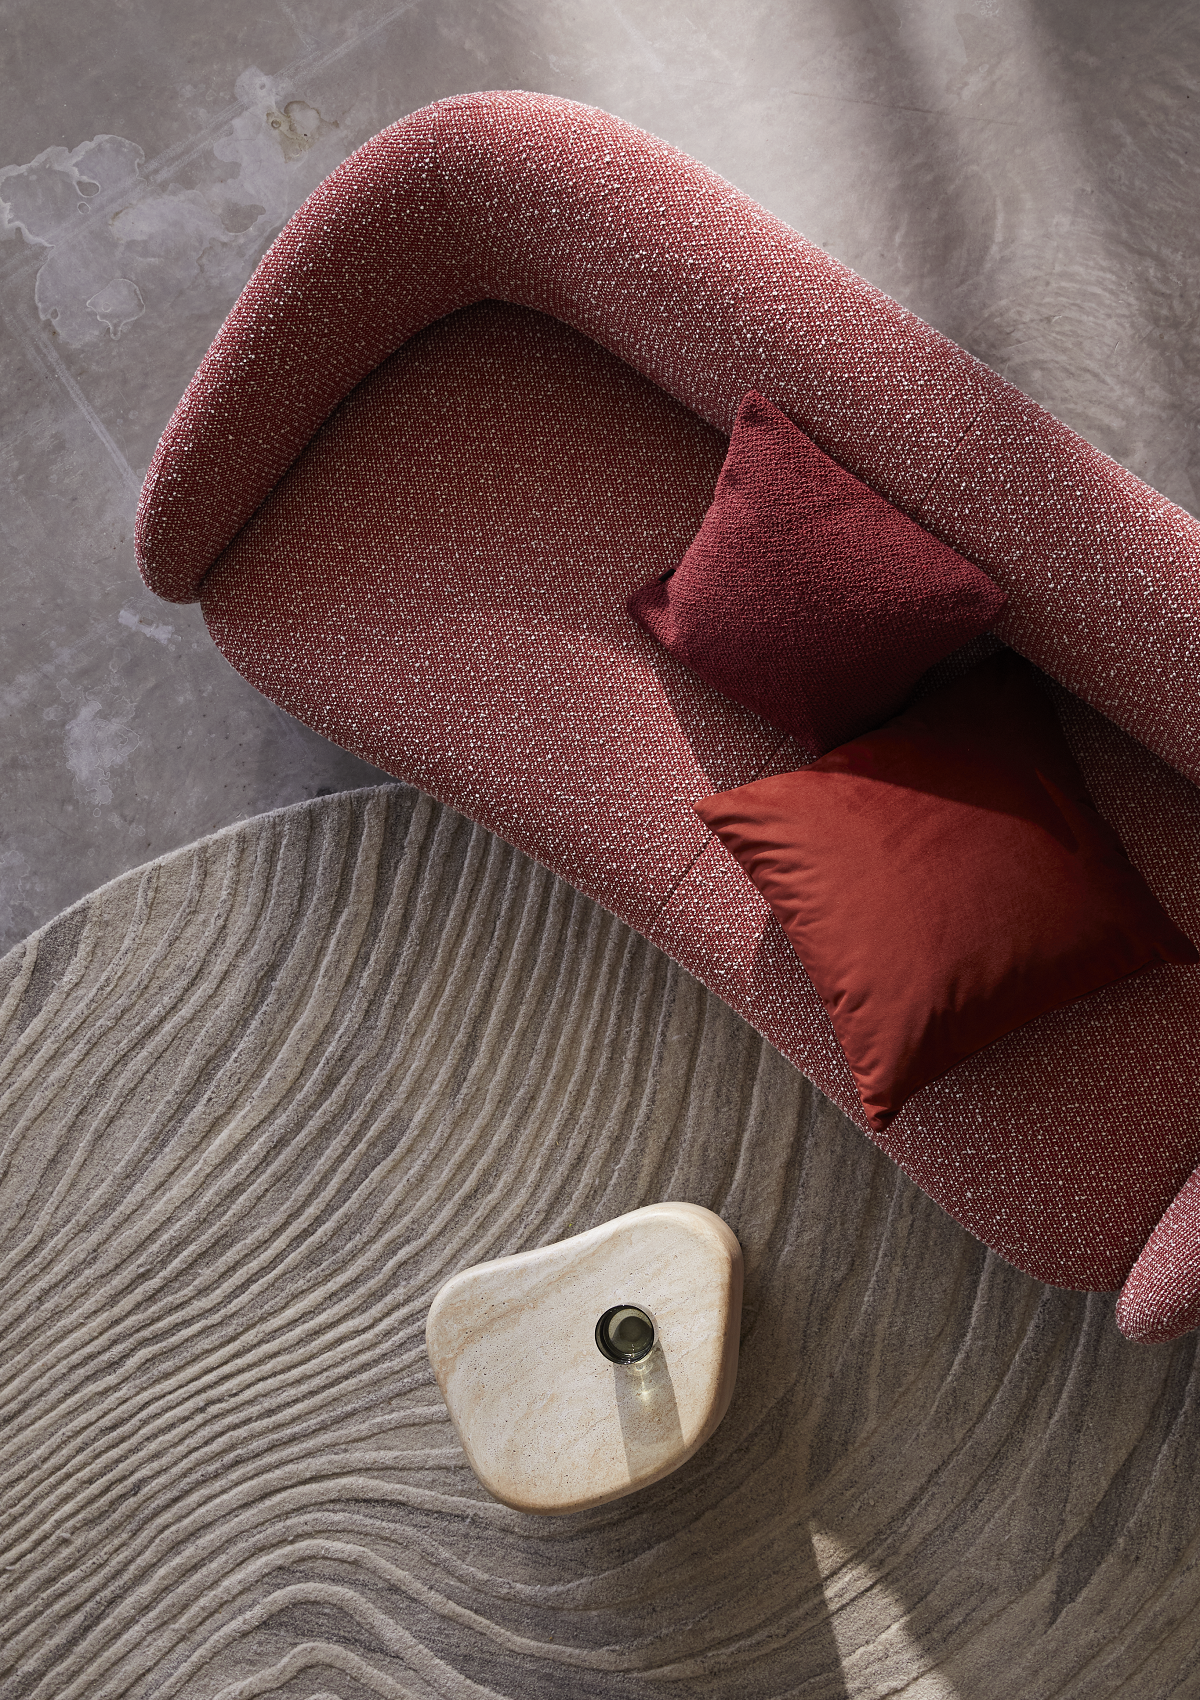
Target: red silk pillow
point(945, 879)
point(805, 595)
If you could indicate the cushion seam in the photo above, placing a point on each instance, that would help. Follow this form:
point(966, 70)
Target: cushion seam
point(691, 863)
point(986, 406)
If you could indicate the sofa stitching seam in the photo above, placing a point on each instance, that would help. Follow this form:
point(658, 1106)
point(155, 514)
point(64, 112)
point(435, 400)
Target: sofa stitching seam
point(683, 873)
point(989, 404)
point(675, 885)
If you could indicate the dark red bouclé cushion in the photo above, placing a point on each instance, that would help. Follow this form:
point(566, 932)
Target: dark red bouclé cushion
point(808, 597)
point(945, 879)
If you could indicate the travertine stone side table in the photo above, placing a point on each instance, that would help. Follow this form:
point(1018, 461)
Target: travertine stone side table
point(581, 1371)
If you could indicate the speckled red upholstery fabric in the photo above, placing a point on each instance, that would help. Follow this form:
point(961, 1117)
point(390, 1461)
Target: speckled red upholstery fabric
point(439, 582)
point(1161, 1297)
point(451, 604)
point(805, 596)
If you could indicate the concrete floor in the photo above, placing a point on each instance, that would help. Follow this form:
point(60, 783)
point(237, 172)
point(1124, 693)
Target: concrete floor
point(1023, 173)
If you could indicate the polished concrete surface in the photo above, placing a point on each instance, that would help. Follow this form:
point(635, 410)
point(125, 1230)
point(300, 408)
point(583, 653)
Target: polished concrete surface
point(1023, 173)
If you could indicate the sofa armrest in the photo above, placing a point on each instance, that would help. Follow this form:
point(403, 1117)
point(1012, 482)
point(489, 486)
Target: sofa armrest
point(358, 270)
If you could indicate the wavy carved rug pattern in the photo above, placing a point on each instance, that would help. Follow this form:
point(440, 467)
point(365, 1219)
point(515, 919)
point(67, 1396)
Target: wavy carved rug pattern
point(258, 1099)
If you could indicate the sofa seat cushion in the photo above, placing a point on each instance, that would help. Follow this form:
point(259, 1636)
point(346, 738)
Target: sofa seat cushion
point(439, 584)
point(945, 879)
point(808, 597)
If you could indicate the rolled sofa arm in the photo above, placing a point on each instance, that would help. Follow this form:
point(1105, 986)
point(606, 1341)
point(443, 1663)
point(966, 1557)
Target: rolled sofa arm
point(356, 271)
point(1161, 1296)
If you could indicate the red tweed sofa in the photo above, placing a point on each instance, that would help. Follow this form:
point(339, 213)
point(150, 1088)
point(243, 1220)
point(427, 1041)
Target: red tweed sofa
point(477, 391)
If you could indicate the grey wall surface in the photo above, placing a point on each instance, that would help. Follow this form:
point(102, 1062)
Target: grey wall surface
point(1024, 175)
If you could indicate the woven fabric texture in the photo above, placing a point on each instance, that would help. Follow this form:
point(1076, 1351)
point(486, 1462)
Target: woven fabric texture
point(438, 583)
point(440, 586)
point(805, 595)
point(1161, 1297)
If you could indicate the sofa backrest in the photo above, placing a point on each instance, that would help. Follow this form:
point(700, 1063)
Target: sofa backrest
point(560, 207)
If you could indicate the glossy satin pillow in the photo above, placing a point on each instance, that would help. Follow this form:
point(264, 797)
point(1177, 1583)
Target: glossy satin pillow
point(945, 879)
point(808, 597)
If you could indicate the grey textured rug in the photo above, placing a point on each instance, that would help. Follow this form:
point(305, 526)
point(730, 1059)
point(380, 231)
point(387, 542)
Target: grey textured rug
point(261, 1097)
